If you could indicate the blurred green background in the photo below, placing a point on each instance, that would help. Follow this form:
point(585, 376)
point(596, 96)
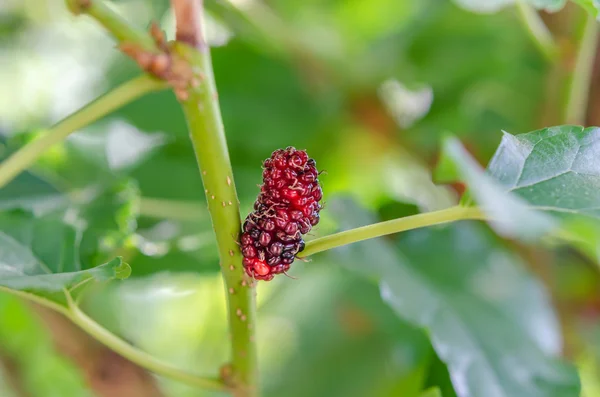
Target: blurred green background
point(368, 88)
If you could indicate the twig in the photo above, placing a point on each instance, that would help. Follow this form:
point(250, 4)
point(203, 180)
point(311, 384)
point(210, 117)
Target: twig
point(28, 154)
point(390, 227)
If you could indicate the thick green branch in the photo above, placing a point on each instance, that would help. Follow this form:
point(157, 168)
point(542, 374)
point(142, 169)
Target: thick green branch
point(201, 108)
point(537, 30)
point(389, 227)
point(580, 76)
point(113, 22)
point(28, 154)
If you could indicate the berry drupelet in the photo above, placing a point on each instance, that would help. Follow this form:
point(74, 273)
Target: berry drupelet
point(287, 207)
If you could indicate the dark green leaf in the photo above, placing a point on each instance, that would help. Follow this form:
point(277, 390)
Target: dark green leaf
point(45, 252)
point(30, 192)
point(39, 256)
point(488, 320)
point(110, 215)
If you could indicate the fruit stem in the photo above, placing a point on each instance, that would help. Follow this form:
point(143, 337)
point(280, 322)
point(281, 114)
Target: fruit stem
point(28, 154)
point(201, 109)
point(389, 227)
point(578, 81)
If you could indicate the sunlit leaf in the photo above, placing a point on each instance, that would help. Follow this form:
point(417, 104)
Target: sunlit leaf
point(556, 170)
point(542, 182)
point(509, 214)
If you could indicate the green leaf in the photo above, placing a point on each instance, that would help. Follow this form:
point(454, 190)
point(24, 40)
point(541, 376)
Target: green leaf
point(486, 6)
point(39, 257)
point(111, 216)
point(545, 182)
point(488, 320)
point(509, 214)
point(555, 170)
point(42, 254)
point(30, 192)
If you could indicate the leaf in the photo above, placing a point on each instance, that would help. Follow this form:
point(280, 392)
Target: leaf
point(509, 214)
point(39, 256)
point(111, 216)
point(555, 170)
point(30, 192)
point(42, 254)
point(488, 320)
point(487, 6)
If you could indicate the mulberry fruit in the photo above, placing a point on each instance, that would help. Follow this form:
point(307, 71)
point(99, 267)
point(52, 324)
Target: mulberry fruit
point(287, 207)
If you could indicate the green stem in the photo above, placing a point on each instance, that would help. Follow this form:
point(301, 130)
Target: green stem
point(389, 227)
point(28, 154)
point(537, 30)
point(113, 22)
point(171, 209)
point(579, 79)
point(201, 108)
point(144, 360)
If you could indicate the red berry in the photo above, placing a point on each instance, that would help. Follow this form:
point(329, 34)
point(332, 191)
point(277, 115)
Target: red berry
point(286, 208)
